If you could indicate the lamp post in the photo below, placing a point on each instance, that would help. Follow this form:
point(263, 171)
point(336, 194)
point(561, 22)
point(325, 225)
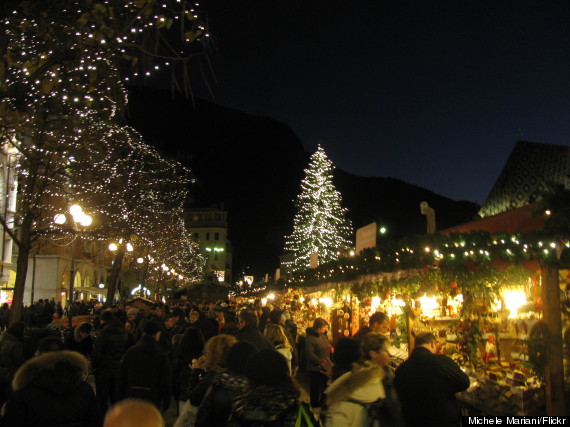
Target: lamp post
point(74, 217)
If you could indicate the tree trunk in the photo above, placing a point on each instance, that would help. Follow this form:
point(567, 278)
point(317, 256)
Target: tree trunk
point(113, 278)
point(552, 318)
point(21, 271)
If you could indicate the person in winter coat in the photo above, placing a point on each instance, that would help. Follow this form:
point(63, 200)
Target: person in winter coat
point(249, 330)
point(346, 353)
point(276, 335)
point(208, 366)
point(216, 406)
point(145, 372)
point(317, 352)
point(348, 395)
point(80, 340)
point(108, 349)
point(375, 348)
point(51, 390)
point(278, 318)
point(4, 316)
point(11, 356)
point(427, 383)
point(191, 347)
point(272, 398)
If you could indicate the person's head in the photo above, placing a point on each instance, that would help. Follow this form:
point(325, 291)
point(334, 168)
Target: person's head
point(153, 329)
point(133, 413)
point(106, 316)
point(192, 344)
point(276, 333)
point(238, 355)
point(219, 314)
point(49, 344)
point(269, 368)
point(130, 326)
point(159, 312)
point(320, 325)
point(248, 318)
point(346, 352)
point(177, 314)
point(361, 333)
point(216, 350)
point(194, 316)
point(168, 321)
point(374, 347)
point(380, 322)
point(17, 329)
point(132, 314)
point(82, 331)
point(275, 316)
point(426, 340)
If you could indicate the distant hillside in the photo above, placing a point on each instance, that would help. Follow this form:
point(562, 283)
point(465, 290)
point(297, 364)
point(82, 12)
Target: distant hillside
point(254, 165)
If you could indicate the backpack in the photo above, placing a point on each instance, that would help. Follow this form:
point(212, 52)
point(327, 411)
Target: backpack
point(374, 412)
point(305, 417)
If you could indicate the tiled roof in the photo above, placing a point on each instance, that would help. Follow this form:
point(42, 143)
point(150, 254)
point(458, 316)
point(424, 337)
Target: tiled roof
point(531, 170)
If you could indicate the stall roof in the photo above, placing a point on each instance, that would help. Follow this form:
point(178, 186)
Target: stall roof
point(524, 219)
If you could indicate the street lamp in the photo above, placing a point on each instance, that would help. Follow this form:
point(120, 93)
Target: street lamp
point(75, 217)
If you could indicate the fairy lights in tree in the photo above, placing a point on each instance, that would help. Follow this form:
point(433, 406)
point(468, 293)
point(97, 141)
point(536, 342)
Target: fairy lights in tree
point(136, 194)
point(62, 76)
point(320, 224)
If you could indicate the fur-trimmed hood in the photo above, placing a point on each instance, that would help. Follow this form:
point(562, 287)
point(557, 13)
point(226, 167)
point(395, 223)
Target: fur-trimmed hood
point(363, 383)
point(59, 372)
point(231, 381)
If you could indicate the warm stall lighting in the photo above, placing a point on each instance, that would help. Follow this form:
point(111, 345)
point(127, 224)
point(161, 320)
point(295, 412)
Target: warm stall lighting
point(271, 296)
point(264, 301)
point(375, 304)
point(513, 301)
point(428, 304)
point(326, 301)
point(397, 302)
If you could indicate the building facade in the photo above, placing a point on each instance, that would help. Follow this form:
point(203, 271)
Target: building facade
point(209, 227)
point(8, 191)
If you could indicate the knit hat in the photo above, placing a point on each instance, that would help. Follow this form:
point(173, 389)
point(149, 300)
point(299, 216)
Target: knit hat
point(238, 355)
point(275, 316)
point(267, 367)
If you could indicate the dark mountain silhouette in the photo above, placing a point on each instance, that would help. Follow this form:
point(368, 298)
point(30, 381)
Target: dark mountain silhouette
point(252, 167)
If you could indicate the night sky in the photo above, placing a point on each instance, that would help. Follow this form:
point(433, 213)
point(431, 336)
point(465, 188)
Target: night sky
point(435, 93)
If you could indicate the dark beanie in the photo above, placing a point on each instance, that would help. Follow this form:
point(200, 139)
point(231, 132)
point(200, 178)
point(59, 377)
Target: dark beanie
point(238, 355)
point(275, 316)
point(346, 351)
point(151, 327)
point(267, 367)
point(107, 315)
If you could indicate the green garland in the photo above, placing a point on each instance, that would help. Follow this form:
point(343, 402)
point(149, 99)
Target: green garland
point(456, 257)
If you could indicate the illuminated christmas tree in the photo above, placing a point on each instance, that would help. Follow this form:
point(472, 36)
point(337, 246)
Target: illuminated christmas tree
point(320, 224)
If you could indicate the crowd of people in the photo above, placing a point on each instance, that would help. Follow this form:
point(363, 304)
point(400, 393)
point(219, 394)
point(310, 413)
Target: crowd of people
point(218, 364)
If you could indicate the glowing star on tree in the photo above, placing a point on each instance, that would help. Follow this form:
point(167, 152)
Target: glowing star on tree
point(320, 225)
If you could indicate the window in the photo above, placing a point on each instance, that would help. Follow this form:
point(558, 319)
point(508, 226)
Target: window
point(196, 235)
point(216, 236)
point(208, 236)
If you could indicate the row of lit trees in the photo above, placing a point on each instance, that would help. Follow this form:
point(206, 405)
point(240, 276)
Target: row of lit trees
point(62, 76)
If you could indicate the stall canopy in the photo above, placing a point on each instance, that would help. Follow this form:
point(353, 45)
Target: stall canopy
point(520, 220)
